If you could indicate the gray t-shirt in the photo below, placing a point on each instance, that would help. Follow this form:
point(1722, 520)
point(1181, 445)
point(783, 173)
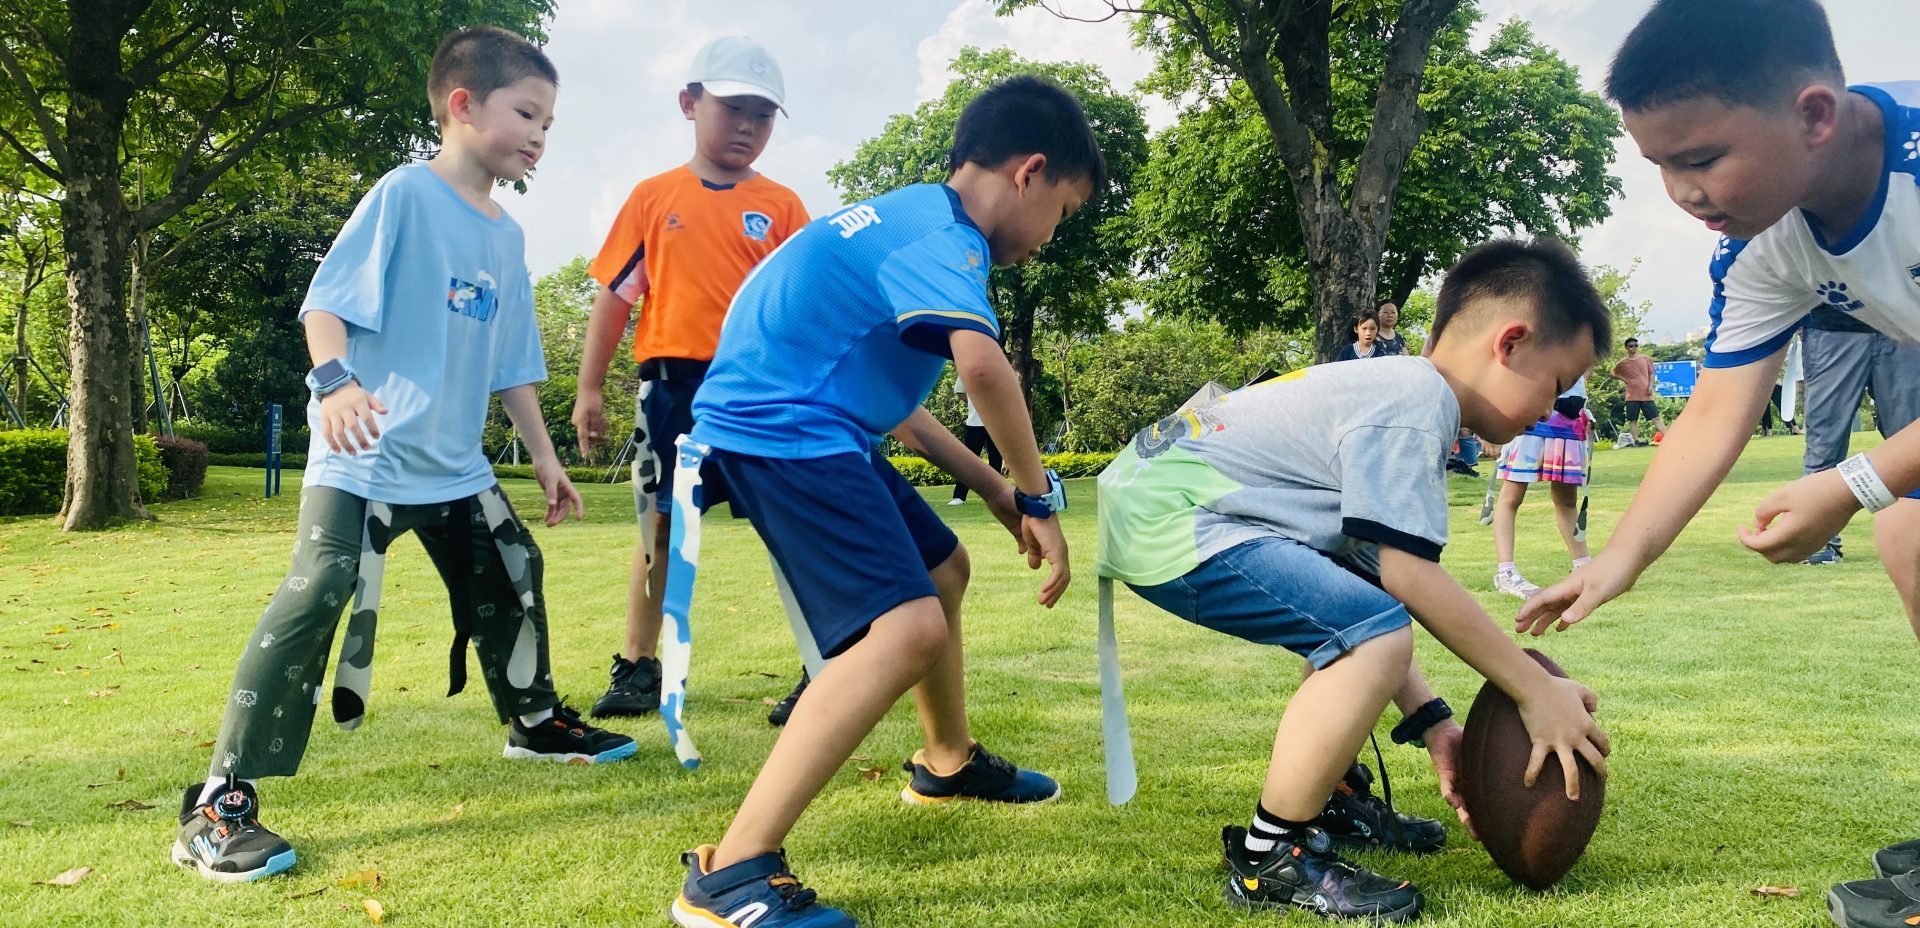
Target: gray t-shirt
point(1340, 457)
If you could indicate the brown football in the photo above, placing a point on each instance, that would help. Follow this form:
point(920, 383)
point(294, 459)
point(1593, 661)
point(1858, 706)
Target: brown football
point(1534, 835)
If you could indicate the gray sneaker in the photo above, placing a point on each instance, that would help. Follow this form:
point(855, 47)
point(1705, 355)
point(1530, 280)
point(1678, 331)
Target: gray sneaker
point(224, 839)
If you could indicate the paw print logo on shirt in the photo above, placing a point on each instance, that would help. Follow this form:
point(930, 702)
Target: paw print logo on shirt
point(1835, 294)
point(1726, 245)
point(1913, 147)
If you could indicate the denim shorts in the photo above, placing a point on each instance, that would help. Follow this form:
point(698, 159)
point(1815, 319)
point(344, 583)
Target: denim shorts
point(1274, 590)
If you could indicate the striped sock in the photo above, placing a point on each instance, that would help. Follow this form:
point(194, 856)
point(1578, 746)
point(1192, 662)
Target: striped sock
point(1267, 828)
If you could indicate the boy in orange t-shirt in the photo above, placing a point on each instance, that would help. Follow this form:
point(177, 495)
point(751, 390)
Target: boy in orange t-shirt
point(683, 243)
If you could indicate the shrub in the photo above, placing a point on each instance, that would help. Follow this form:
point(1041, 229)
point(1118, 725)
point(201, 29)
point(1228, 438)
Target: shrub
point(186, 463)
point(221, 439)
point(579, 473)
point(257, 459)
point(921, 473)
point(33, 471)
point(148, 469)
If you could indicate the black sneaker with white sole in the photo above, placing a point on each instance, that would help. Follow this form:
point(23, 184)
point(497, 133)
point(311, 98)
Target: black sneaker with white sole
point(1904, 857)
point(1303, 872)
point(224, 839)
point(566, 738)
point(633, 688)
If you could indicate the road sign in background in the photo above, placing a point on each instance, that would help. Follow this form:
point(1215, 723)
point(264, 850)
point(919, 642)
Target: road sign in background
point(1675, 379)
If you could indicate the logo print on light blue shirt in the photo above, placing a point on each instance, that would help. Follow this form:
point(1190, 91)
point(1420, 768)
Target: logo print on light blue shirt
point(755, 225)
point(475, 301)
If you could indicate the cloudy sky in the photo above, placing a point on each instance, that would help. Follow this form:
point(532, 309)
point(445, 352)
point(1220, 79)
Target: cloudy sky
point(850, 64)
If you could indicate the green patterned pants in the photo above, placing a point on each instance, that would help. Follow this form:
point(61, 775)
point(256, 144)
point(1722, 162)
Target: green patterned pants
point(490, 565)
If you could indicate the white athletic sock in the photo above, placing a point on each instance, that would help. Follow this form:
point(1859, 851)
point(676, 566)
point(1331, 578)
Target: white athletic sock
point(1506, 567)
point(1580, 562)
point(215, 786)
point(534, 718)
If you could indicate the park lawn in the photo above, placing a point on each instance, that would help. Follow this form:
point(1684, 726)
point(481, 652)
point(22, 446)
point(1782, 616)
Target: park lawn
point(1759, 715)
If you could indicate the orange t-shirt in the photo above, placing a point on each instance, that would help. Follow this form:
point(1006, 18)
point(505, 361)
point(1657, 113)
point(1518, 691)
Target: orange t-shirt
point(685, 246)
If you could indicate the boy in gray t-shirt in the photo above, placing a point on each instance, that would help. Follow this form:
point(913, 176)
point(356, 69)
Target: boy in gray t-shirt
point(1309, 511)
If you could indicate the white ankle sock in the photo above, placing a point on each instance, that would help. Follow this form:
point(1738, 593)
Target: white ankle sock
point(1506, 567)
point(534, 718)
point(1580, 562)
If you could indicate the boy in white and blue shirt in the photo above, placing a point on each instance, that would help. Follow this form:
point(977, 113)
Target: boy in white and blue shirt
point(421, 311)
point(1815, 188)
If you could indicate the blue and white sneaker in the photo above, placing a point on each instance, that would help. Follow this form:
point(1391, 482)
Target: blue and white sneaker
point(224, 839)
point(759, 892)
point(566, 738)
point(985, 777)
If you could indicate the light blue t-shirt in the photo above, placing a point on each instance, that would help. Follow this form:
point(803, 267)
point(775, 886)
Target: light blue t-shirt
point(439, 313)
point(838, 335)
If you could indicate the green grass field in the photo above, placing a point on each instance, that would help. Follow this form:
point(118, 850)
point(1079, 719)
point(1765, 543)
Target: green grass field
point(1759, 716)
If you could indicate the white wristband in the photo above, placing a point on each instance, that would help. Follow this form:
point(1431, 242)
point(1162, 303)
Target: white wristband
point(1865, 483)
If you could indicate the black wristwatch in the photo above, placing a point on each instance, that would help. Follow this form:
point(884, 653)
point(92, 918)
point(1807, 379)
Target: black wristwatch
point(1413, 726)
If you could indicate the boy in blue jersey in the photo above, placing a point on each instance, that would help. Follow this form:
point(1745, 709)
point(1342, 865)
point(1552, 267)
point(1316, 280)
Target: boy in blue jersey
point(1815, 189)
point(833, 342)
point(420, 312)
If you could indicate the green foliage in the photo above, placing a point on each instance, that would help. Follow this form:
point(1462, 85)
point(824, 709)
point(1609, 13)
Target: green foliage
point(1125, 379)
point(151, 471)
point(248, 439)
point(33, 471)
point(256, 459)
point(1080, 279)
point(1512, 141)
point(578, 474)
point(186, 463)
point(920, 473)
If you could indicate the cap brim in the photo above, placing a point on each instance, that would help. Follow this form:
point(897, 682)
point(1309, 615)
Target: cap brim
point(742, 89)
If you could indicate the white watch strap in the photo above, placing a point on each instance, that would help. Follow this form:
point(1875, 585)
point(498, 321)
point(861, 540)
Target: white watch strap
point(1865, 483)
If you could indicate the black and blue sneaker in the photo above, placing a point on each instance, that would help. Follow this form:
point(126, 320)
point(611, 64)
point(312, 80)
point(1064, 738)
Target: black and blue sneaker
point(1303, 872)
point(566, 738)
point(224, 839)
point(759, 892)
point(633, 688)
point(985, 777)
point(1358, 819)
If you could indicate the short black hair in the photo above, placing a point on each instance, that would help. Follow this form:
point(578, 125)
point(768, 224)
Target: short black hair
point(1027, 115)
point(1741, 52)
point(1365, 315)
point(1631, 340)
point(483, 59)
point(1566, 306)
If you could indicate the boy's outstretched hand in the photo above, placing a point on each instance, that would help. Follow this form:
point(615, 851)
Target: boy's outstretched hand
point(347, 419)
point(561, 495)
point(1797, 519)
point(1042, 540)
point(1574, 598)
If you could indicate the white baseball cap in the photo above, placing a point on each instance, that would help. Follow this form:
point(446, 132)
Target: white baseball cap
point(735, 66)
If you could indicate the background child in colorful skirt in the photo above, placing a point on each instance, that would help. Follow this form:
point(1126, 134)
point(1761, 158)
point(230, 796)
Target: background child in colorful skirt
point(1554, 452)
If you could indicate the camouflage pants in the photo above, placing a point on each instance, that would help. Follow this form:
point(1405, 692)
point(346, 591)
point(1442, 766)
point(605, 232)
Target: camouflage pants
point(492, 570)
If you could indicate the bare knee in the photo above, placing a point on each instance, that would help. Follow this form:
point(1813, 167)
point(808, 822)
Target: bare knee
point(954, 573)
point(916, 631)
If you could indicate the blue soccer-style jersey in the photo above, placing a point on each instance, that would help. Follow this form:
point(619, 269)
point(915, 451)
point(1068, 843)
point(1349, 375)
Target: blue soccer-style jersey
point(838, 335)
point(1764, 288)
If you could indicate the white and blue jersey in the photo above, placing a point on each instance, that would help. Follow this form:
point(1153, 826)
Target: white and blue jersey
point(439, 314)
point(838, 335)
point(1764, 288)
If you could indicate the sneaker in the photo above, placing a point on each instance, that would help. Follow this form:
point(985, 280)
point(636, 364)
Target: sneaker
point(634, 690)
point(1625, 440)
point(759, 892)
point(1901, 858)
point(224, 839)
point(1884, 903)
point(956, 501)
point(1303, 872)
point(985, 776)
point(783, 710)
point(1356, 818)
point(564, 737)
point(1511, 583)
point(1825, 555)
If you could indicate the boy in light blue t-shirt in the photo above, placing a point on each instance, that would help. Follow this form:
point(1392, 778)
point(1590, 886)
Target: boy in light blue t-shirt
point(420, 312)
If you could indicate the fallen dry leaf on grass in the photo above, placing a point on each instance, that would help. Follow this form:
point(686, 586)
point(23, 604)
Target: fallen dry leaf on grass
point(1786, 891)
point(22, 823)
point(873, 774)
point(368, 880)
point(68, 878)
point(375, 911)
point(129, 805)
point(317, 890)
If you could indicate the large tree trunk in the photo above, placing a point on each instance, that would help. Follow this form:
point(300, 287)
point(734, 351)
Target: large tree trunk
point(1017, 333)
point(1341, 258)
point(102, 485)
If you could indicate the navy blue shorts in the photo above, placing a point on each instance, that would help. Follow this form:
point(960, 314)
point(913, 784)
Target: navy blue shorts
point(1278, 591)
point(666, 408)
point(853, 537)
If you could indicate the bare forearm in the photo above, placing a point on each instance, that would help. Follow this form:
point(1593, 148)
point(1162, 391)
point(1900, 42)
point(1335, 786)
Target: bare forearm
point(995, 391)
point(1414, 691)
point(326, 337)
point(1454, 617)
point(925, 435)
point(1897, 460)
point(1700, 448)
point(522, 405)
point(605, 325)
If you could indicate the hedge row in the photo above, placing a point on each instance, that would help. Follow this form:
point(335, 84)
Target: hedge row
point(221, 439)
point(33, 470)
point(920, 473)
